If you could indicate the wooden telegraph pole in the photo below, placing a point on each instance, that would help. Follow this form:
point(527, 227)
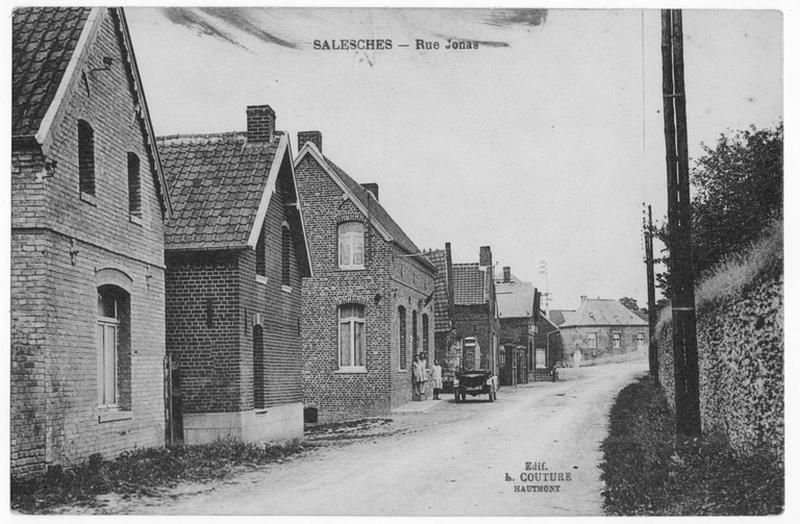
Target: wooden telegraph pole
point(651, 295)
point(684, 334)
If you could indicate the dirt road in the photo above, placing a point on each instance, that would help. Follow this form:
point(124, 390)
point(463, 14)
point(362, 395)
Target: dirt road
point(474, 458)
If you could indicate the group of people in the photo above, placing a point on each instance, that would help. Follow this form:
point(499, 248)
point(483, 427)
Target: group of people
point(421, 375)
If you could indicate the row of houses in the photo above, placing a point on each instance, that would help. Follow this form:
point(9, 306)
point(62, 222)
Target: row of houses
point(185, 288)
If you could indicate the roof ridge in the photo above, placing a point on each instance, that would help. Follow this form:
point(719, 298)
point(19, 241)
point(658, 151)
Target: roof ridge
point(200, 136)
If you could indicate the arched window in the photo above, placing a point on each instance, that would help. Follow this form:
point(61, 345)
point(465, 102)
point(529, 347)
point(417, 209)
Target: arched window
point(114, 347)
point(134, 186)
point(401, 315)
point(352, 339)
point(286, 247)
point(258, 367)
point(351, 245)
point(414, 333)
point(86, 157)
point(425, 333)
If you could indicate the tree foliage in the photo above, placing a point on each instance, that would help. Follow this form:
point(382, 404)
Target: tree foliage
point(737, 193)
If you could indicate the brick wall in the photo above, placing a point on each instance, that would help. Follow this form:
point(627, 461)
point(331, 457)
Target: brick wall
point(60, 245)
point(335, 394)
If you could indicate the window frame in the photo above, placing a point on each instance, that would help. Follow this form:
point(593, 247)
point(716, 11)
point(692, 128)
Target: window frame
point(591, 340)
point(616, 340)
point(261, 256)
point(352, 237)
point(87, 172)
point(286, 257)
point(402, 327)
point(351, 321)
point(135, 188)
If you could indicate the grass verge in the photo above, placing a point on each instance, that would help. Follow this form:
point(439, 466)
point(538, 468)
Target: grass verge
point(143, 471)
point(648, 473)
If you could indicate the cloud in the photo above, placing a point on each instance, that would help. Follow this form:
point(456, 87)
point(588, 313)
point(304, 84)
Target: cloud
point(239, 18)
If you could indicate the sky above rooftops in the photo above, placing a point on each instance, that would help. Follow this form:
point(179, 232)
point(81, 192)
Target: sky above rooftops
point(542, 143)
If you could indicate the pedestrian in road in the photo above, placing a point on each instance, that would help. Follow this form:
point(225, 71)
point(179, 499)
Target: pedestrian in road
point(436, 379)
point(418, 373)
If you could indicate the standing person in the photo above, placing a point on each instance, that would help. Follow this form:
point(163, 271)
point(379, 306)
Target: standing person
point(436, 379)
point(423, 358)
point(577, 357)
point(418, 373)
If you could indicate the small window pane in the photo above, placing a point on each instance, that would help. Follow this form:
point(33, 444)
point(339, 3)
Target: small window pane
point(344, 350)
point(359, 344)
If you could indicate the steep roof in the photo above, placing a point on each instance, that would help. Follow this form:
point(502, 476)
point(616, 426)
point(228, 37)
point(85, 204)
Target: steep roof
point(514, 299)
point(469, 284)
point(216, 182)
point(376, 211)
point(44, 39)
point(49, 46)
point(603, 312)
point(440, 295)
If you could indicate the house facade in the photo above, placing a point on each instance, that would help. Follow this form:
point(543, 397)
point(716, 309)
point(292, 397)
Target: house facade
point(88, 204)
point(369, 306)
point(236, 254)
point(600, 328)
point(547, 348)
point(447, 342)
point(475, 313)
point(517, 313)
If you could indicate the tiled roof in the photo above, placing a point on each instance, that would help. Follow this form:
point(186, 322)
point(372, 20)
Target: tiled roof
point(440, 297)
point(514, 299)
point(44, 39)
point(603, 312)
point(376, 210)
point(468, 284)
point(216, 182)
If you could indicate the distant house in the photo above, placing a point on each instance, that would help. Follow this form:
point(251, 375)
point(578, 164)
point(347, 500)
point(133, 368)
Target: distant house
point(547, 348)
point(517, 326)
point(599, 328)
point(236, 253)
point(88, 204)
point(369, 306)
point(447, 341)
point(475, 312)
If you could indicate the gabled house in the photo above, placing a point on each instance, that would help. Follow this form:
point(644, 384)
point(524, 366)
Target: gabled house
point(236, 254)
point(475, 312)
point(369, 306)
point(600, 328)
point(88, 204)
point(517, 313)
point(547, 349)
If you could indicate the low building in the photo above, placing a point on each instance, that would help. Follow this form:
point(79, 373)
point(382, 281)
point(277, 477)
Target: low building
point(369, 306)
point(547, 348)
point(236, 255)
point(517, 315)
point(88, 204)
point(600, 328)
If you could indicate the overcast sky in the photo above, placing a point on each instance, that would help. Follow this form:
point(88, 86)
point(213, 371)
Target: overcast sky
point(542, 143)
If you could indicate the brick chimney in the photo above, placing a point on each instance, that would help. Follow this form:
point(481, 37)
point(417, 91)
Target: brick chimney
point(485, 258)
point(260, 124)
point(315, 137)
point(372, 188)
point(507, 274)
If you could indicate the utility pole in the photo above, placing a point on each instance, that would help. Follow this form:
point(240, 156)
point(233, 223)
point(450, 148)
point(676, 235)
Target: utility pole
point(651, 295)
point(684, 334)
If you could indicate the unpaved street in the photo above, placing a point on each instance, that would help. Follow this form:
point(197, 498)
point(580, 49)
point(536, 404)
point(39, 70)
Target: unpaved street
point(454, 459)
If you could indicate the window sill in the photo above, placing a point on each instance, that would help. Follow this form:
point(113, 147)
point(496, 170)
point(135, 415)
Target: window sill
point(89, 198)
point(351, 268)
point(262, 279)
point(136, 220)
point(286, 289)
point(113, 415)
point(261, 411)
point(351, 371)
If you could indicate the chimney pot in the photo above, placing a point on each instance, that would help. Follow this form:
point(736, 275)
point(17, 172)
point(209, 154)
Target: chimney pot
point(260, 124)
point(315, 137)
point(372, 188)
point(507, 274)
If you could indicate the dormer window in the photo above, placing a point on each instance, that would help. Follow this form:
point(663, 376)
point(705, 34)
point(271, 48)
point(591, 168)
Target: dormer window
point(351, 245)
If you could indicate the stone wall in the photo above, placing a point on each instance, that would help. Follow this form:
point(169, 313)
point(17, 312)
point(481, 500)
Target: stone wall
point(740, 348)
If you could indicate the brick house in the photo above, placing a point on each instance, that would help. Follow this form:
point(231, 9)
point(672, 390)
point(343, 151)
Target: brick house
point(369, 306)
point(236, 253)
point(547, 348)
point(475, 312)
point(517, 313)
point(600, 328)
point(88, 205)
